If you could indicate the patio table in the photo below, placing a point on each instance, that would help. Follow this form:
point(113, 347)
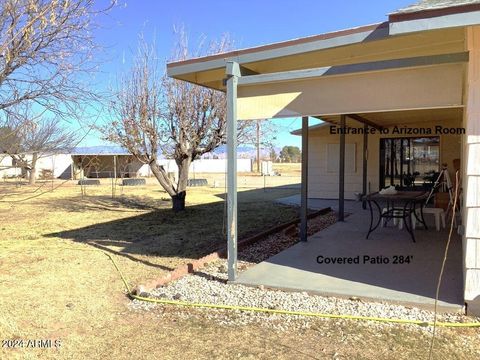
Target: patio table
point(401, 205)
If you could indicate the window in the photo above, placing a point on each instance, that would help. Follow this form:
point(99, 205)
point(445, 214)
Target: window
point(409, 163)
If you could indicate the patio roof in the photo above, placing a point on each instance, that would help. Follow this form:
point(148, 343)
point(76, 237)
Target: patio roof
point(397, 38)
point(359, 45)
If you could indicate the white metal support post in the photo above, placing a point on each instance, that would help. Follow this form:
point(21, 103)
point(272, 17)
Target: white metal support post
point(232, 72)
point(341, 180)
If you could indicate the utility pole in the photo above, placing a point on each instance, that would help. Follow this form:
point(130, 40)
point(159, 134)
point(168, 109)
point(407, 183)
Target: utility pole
point(258, 145)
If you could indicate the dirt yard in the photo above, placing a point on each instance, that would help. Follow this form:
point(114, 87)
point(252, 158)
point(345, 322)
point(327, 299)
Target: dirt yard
point(55, 288)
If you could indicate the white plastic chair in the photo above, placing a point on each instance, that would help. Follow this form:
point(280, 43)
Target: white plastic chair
point(396, 221)
point(438, 213)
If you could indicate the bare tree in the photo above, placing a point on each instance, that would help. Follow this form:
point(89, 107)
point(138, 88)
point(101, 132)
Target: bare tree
point(157, 115)
point(46, 46)
point(30, 140)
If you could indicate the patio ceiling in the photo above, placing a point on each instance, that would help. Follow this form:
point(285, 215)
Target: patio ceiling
point(320, 94)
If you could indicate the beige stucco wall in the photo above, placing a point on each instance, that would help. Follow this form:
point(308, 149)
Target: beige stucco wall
point(324, 184)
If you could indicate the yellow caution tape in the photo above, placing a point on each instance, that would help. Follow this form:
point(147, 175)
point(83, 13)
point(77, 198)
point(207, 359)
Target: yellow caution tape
point(264, 310)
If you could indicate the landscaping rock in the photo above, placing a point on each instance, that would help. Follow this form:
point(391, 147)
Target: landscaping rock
point(223, 268)
point(141, 291)
point(200, 289)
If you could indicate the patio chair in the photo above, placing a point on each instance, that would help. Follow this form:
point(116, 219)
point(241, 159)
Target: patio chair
point(442, 181)
point(396, 221)
point(438, 213)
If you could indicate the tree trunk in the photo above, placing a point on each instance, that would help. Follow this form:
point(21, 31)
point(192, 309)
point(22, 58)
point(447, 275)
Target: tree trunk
point(179, 193)
point(162, 177)
point(178, 201)
point(33, 170)
point(183, 169)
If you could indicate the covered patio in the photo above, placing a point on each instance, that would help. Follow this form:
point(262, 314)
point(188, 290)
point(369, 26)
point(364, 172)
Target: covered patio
point(304, 267)
point(419, 69)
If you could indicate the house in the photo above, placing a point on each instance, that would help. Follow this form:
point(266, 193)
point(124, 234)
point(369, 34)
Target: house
point(418, 72)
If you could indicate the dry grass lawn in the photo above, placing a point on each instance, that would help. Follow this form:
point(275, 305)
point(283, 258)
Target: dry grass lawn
point(52, 291)
point(288, 169)
point(137, 224)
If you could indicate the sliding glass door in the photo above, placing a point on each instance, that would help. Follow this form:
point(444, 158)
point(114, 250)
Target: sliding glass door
point(409, 163)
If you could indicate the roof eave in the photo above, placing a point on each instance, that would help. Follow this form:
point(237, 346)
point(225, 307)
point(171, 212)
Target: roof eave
point(298, 132)
point(266, 52)
point(434, 19)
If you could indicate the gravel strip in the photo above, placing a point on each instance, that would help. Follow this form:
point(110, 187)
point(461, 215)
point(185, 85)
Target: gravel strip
point(210, 286)
point(275, 243)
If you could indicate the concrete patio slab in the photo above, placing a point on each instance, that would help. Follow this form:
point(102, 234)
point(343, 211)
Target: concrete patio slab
point(382, 273)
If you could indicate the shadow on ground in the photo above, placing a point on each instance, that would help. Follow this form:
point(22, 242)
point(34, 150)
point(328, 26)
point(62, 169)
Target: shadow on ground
point(107, 203)
point(193, 233)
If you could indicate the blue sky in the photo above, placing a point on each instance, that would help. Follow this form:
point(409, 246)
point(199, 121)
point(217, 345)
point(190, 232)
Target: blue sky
point(248, 22)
